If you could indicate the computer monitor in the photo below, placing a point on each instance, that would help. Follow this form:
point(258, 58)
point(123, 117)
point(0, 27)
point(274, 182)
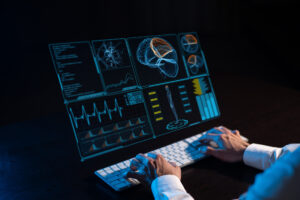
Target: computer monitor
point(120, 92)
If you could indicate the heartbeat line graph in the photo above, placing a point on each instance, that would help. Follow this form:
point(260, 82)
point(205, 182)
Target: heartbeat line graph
point(127, 78)
point(96, 113)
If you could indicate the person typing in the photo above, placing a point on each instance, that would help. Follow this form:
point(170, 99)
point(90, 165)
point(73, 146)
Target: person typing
point(280, 180)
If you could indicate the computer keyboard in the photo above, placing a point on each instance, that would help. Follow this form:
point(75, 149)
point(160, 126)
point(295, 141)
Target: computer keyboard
point(183, 153)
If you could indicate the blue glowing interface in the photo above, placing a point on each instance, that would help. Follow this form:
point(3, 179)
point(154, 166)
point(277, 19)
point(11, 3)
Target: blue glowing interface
point(119, 92)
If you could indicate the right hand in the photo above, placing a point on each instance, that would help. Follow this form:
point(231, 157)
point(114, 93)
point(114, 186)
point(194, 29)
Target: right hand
point(231, 146)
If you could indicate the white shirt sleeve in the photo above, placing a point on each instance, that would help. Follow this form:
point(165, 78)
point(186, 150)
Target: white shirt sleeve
point(281, 180)
point(262, 156)
point(169, 187)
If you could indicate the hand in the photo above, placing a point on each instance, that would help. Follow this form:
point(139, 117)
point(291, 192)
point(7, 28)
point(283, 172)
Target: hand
point(147, 168)
point(227, 145)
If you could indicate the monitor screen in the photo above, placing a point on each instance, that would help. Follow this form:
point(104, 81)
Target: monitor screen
point(119, 92)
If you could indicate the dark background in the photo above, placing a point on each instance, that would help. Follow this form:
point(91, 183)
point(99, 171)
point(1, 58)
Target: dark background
point(251, 49)
point(256, 38)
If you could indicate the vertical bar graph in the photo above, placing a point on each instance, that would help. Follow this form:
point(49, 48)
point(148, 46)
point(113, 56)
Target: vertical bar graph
point(207, 106)
point(212, 99)
point(201, 109)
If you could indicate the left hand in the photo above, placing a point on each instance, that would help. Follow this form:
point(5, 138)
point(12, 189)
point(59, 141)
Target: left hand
point(147, 168)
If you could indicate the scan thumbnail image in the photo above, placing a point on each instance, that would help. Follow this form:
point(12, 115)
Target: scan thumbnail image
point(114, 63)
point(157, 59)
point(195, 64)
point(189, 43)
point(194, 59)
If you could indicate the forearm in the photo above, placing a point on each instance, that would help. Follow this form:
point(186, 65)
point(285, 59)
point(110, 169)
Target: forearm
point(169, 187)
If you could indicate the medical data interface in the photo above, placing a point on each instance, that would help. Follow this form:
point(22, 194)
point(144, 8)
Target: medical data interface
point(119, 92)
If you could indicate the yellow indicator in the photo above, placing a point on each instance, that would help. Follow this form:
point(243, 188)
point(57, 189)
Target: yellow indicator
point(151, 93)
point(154, 99)
point(157, 112)
point(159, 119)
point(197, 88)
point(155, 106)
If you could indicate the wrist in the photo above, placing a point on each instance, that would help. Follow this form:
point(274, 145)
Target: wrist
point(243, 149)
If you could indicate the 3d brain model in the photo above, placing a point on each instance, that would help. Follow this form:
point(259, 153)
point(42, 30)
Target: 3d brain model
point(194, 62)
point(158, 53)
point(189, 43)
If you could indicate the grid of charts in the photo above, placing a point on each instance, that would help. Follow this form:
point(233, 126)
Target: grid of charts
point(119, 92)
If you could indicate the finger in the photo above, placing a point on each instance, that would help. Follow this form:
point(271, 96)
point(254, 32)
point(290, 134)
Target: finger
point(226, 129)
point(135, 175)
point(160, 159)
point(214, 130)
point(209, 136)
point(173, 164)
point(237, 132)
point(214, 152)
point(152, 168)
point(152, 155)
point(135, 164)
point(221, 129)
point(143, 159)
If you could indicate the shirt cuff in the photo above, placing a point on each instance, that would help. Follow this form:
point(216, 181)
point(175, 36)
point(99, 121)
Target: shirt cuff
point(260, 156)
point(166, 186)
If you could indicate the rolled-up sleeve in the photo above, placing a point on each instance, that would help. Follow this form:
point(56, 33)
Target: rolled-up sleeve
point(169, 187)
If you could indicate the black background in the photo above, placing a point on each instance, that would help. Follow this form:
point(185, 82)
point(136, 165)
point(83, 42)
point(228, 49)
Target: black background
point(251, 49)
point(261, 36)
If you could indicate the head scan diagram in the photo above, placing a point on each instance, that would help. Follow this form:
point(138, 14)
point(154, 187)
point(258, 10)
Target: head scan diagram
point(158, 53)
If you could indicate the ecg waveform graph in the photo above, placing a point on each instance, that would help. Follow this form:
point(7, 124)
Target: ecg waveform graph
point(96, 113)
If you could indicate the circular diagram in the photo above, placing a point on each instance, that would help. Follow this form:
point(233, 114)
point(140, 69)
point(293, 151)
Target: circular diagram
point(177, 124)
point(158, 53)
point(189, 43)
point(194, 63)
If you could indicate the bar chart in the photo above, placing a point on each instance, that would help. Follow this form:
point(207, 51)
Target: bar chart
point(207, 106)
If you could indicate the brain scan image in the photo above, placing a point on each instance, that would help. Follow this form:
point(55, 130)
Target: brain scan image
point(189, 43)
point(194, 63)
point(158, 53)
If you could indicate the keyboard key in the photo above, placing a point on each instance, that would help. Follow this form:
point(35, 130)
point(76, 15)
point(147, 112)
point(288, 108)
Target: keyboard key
point(127, 163)
point(109, 171)
point(121, 165)
point(103, 173)
point(115, 168)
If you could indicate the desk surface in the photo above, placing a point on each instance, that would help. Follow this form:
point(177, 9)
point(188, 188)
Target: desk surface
point(39, 158)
